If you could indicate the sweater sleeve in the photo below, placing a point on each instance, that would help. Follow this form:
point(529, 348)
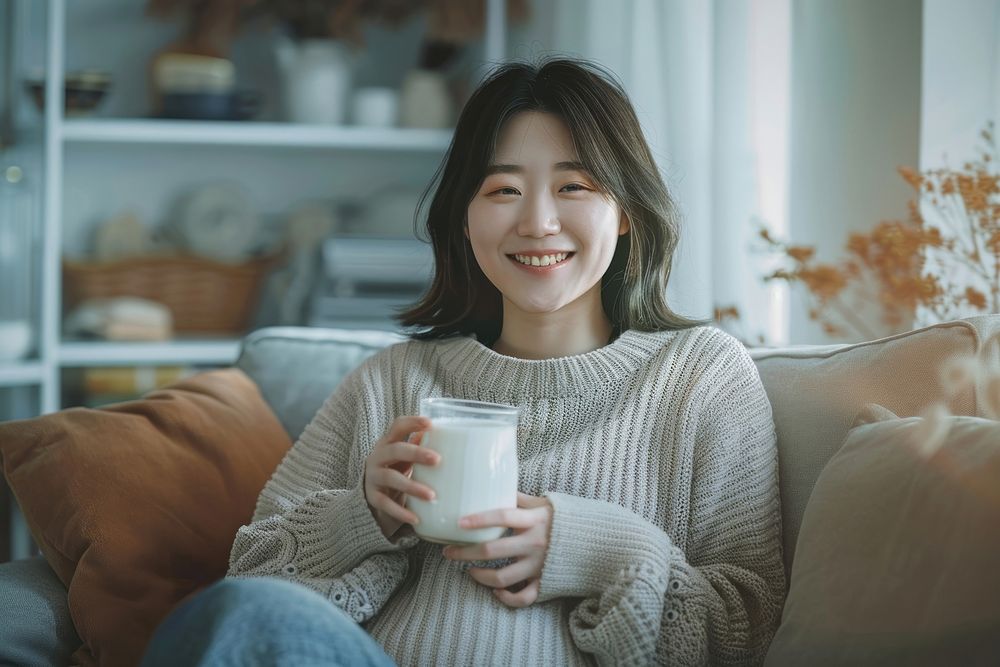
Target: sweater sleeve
point(718, 601)
point(312, 524)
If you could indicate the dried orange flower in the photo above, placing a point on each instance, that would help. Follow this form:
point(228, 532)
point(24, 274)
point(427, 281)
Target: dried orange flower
point(941, 262)
point(800, 253)
point(976, 298)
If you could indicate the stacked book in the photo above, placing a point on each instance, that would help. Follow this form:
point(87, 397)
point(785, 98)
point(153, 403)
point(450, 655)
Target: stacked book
point(367, 281)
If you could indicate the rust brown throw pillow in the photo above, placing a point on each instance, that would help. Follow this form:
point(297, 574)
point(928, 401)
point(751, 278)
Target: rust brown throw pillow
point(135, 505)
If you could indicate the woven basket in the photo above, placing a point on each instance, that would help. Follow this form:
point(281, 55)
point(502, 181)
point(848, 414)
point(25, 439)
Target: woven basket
point(204, 296)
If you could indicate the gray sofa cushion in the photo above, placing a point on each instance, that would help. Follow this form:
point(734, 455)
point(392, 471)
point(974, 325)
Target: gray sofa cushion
point(40, 630)
point(816, 391)
point(297, 368)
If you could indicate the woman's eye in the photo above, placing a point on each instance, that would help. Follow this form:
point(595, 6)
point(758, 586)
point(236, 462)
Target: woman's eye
point(571, 187)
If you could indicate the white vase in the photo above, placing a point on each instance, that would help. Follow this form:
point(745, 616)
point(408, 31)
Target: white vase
point(424, 100)
point(317, 75)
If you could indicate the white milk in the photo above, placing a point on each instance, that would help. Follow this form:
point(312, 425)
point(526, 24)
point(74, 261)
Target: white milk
point(477, 472)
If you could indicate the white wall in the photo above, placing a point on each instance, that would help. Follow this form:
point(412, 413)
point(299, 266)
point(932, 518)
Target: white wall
point(960, 78)
point(855, 118)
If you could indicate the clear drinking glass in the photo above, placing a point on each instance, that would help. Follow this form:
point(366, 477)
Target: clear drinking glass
point(478, 470)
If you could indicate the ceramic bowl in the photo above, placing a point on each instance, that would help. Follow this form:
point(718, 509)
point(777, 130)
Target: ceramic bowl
point(83, 91)
point(15, 340)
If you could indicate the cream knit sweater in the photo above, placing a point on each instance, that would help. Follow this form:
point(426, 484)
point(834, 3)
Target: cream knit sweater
point(658, 454)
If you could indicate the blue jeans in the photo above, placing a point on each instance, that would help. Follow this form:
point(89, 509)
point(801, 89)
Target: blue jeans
point(257, 622)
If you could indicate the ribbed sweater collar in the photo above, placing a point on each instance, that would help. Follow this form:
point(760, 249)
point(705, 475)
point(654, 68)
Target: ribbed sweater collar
point(481, 372)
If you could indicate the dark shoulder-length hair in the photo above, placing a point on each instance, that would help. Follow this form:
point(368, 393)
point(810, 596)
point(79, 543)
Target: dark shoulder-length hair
point(609, 142)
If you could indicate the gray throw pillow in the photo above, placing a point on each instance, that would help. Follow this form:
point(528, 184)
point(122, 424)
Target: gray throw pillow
point(897, 558)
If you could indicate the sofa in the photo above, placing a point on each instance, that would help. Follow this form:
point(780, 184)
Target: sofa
point(826, 400)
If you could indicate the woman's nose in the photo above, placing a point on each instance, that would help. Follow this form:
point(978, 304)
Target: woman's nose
point(540, 218)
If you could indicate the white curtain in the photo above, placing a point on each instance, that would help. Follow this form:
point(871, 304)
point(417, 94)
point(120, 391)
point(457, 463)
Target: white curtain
point(708, 80)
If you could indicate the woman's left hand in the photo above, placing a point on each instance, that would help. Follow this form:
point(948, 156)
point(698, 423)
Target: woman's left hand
point(531, 521)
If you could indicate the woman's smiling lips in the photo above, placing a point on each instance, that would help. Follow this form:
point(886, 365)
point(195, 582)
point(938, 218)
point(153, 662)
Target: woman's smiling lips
point(541, 261)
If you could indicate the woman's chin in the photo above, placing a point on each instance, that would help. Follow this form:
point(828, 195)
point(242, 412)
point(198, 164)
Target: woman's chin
point(577, 306)
point(539, 308)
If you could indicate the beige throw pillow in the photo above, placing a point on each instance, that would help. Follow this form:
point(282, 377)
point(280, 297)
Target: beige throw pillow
point(898, 558)
point(816, 391)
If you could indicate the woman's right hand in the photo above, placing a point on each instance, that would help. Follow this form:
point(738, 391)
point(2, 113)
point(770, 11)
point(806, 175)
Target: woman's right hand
point(388, 469)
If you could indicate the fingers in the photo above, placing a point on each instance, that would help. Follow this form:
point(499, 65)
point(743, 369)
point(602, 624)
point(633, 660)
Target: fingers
point(506, 576)
point(388, 468)
point(382, 502)
point(523, 544)
point(524, 500)
point(402, 451)
point(388, 478)
point(506, 517)
point(522, 598)
point(532, 517)
point(402, 427)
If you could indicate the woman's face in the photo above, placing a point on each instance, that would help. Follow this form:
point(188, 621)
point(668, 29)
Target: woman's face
point(539, 228)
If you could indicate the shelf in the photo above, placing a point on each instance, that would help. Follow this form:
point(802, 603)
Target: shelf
point(180, 352)
point(247, 133)
point(18, 373)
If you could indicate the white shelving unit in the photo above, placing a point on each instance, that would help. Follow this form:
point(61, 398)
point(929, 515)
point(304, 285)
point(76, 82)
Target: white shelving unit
point(210, 352)
point(16, 374)
point(59, 135)
point(281, 135)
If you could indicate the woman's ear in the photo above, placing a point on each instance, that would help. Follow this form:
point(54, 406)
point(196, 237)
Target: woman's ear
point(624, 225)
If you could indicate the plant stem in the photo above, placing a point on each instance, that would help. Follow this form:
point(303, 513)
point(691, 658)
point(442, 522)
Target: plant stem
point(852, 319)
point(995, 285)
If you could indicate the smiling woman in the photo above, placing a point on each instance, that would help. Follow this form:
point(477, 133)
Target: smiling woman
point(566, 129)
point(646, 527)
point(544, 236)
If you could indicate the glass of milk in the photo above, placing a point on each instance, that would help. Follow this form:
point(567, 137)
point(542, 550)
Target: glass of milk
point(477, 472)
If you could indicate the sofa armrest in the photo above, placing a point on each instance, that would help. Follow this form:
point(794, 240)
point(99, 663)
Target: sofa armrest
point(37, 628)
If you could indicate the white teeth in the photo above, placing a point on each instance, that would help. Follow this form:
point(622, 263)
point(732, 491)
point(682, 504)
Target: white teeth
point(544, 260)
